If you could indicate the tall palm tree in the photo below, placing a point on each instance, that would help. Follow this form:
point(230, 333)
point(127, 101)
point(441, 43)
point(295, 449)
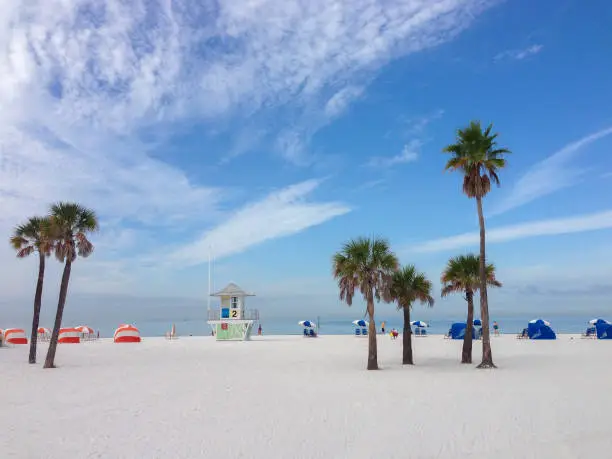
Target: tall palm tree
point(476, 155)
point(34, 236)
point(71, 223)
point(366, 265)
point(462, 274)
point(407, 286)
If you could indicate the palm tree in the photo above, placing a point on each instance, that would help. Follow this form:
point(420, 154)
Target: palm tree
point(71, 223)
point(34, 236)
point(462, 274)
point(476, 155)
point(366, 265)
point(408, 286)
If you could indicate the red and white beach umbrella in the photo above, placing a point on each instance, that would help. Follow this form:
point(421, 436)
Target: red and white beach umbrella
point(126, 334)
point(85, 330)
point(69, 336)
point(43, 331)
point(15, 336)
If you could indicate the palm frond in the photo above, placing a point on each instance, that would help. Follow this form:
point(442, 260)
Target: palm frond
point(408, 286)
point(462, 274)
point(476, 155)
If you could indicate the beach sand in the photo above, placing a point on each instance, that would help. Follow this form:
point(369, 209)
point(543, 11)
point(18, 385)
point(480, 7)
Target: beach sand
point(290, 397)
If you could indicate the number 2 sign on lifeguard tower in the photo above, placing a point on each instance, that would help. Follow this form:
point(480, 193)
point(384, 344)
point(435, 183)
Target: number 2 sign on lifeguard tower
point(232, 321)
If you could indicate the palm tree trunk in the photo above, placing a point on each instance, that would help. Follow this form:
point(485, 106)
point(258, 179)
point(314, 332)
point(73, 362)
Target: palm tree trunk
point(37, 303)
point(466, 354)
point(487, 356)
point(372, 350)
point(407, 338)
point(50, 360)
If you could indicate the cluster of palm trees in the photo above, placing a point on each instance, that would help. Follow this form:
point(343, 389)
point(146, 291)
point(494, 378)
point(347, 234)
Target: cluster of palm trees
point(369, 266)
point(63, 233)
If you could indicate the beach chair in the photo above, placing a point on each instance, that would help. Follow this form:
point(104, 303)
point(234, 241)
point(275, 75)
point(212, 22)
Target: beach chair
point(523, 334)
point(423, 332)
point(312, 333)
point(357, 331)
point(590, 332)
point(305, 332)
point(364, 332)
point(417, 331)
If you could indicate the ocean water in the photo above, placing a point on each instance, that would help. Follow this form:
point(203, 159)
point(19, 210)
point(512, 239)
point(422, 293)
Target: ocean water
point(341, 326)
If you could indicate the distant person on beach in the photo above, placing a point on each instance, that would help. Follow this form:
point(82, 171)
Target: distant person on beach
point(382, 327)
point(495, 328)
point(259, 330)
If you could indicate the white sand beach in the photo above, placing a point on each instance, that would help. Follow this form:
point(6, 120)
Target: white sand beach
point(290, 397)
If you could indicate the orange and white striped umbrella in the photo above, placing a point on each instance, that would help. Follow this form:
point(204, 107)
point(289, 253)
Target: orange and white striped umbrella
point(69, 335)
point(15, 336)
point(126, 334)
point(85, 329)
point(43, 331)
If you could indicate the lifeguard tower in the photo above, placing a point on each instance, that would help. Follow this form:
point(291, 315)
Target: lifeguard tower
point(232, 322)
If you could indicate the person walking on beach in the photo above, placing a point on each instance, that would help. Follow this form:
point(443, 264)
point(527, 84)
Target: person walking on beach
point(495, 328)
point(259, 330)
point(382, 327)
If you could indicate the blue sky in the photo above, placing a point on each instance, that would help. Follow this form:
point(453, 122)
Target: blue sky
point(275, 130)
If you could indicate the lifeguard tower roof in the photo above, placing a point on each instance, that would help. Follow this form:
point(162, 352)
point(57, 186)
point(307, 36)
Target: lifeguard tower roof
point(232, 289)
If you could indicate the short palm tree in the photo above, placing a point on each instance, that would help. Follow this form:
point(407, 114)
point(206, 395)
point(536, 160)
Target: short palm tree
point(476, 155)
point(34, 236)
point(407, 286)
point(366, 265)
point(462, 274)
point(71, 223)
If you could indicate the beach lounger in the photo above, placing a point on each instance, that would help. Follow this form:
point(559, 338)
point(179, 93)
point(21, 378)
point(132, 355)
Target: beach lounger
point(358, 332)
point(417, 331)
point(523, 334)
point(423, 332)
point(312, 333)
point(590, 332)
point(364, 332)
point(305, 332)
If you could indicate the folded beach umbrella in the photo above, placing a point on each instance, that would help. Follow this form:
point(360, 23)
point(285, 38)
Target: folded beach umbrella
point(477, 323)
point(360, 323)
point(419, 323)
point(307, 323)
point(599, 322)
point(540, 322)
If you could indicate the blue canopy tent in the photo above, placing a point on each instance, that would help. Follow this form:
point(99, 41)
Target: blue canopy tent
point(603, 327)
point(540, 329)
point(457, 330)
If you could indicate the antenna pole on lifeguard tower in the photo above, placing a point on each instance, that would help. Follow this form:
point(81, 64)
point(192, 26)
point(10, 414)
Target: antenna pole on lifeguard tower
point(209, 275)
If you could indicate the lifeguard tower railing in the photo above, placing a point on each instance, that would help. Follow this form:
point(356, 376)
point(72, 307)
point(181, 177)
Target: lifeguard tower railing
point(247, 314)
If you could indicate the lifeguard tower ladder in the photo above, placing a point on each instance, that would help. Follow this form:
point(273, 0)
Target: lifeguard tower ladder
point(232, 322)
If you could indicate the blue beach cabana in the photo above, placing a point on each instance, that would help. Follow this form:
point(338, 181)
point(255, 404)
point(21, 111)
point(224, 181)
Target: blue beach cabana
point(457, 330)
point(603, 328)
point(540, 329)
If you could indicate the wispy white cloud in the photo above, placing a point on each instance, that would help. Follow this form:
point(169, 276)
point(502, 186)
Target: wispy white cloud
point(552, 174)
point(519, 54)
point(567, 225)
point(416, 126)
point(340, 101)
point(280, 214)
point(83, 83)
point(409, 153)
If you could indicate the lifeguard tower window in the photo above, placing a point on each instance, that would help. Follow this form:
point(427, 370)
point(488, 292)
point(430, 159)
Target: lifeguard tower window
point(235, 302)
